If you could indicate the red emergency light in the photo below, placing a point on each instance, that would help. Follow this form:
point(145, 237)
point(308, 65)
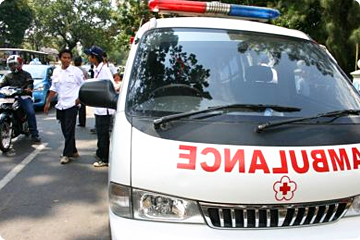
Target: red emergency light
point(216, 8)
point(177, 6)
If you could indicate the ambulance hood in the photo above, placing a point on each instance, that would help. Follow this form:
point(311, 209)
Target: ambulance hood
point(244, 174)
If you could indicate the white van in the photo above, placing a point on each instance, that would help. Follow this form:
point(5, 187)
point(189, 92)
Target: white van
point(231, 129)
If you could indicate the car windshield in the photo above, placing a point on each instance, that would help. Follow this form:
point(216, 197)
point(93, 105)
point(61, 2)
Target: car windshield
point(36, 71)
point(179, 70)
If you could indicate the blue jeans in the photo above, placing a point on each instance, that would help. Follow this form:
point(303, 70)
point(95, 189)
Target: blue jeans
point(28, 107)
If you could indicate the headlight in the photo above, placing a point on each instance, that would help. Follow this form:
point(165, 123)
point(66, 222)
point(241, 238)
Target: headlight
point(120, 200)
point(8, 91)
point(144, 205)
point(354, 209)
point(40, 88)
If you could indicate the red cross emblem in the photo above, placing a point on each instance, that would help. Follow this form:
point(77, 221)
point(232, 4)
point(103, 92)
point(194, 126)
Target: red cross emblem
point(284, 189)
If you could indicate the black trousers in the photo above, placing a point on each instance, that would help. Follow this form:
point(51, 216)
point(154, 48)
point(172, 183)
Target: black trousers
point(82, 115)
point(102, 124)
point(67, 120)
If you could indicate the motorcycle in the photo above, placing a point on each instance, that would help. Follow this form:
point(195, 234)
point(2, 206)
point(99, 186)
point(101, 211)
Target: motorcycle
point(13, 120)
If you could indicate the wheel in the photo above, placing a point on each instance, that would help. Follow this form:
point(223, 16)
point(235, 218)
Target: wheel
point(5, 136)
point(187, 90)
point(26, 129)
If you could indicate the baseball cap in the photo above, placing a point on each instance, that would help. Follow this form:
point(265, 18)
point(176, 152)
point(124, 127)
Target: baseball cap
point(95, 50)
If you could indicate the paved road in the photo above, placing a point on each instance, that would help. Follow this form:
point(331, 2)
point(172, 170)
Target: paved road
point(41, 199)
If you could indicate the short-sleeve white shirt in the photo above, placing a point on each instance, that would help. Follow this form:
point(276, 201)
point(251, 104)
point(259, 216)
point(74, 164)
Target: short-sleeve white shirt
point(66, 83)
point(103, 72)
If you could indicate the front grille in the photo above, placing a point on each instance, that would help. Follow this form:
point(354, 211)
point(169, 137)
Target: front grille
point(273, 216)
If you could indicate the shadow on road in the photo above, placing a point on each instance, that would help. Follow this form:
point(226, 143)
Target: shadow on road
point(48, 200)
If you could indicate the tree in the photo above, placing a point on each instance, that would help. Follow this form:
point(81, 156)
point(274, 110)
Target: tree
point(128, 17)
point(15, 18)
point(70, 22)
point(305, 15)
point(341, 23)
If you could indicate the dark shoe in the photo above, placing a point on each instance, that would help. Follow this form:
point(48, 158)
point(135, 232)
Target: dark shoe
point(100, 164)
point(81, 125)
point(36, 139)
point(93, 130)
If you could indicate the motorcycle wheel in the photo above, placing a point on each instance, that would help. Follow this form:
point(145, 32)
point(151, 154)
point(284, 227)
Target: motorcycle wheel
point(5, 136)
point(26, 129)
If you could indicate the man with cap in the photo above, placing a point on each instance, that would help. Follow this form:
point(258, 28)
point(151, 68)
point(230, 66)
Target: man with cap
point(103, 116)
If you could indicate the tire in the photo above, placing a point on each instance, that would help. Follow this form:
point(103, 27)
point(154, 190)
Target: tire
point(5, 135)
point(26, 129)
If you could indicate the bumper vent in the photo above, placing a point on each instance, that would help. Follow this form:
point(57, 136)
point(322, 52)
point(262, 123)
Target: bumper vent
point(273, 216)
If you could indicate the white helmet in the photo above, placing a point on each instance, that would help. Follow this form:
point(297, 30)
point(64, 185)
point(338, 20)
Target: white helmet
point(14, 62)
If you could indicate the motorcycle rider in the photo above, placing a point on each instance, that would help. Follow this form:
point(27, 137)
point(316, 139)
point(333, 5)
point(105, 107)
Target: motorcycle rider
point(22, 79)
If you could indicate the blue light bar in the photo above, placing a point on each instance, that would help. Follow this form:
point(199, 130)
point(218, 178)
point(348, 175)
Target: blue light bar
point(253, 12)
point(213, 8)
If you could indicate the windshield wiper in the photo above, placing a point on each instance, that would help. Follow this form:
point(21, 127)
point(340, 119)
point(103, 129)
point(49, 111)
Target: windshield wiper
point(225, 109)
point(335, 114)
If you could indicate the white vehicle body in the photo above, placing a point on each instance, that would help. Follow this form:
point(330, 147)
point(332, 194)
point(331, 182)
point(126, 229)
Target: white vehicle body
point(292, 188)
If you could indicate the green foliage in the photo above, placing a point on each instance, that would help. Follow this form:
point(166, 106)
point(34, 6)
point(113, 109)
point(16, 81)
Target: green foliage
point(70, 22)
point(128, 17)
point(305, 15)
point(341, 23)
point(15, 18)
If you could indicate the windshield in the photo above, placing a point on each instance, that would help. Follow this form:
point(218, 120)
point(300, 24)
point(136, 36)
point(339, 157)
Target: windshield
point(179, 70)
point(36, 71)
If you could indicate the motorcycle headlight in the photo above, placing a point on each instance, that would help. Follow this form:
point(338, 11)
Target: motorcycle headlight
point(354, 209)
point(144, 205)
point(7, 91)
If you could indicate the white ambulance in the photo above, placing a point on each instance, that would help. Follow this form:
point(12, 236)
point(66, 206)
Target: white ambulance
point(230, 129)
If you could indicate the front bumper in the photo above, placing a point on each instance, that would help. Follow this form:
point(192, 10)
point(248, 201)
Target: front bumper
point(39, 98)
point(128, 229)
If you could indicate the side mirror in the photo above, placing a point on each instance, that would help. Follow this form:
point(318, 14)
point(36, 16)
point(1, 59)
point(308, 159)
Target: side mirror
point(98, 93)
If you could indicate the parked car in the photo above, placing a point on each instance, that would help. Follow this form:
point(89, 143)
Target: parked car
point(42, 82)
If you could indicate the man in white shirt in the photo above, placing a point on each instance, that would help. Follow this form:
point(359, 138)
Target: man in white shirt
point(103, 116)
point(66, 82)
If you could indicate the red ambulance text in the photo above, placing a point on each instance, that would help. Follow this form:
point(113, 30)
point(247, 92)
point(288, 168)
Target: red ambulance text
point(227, 160)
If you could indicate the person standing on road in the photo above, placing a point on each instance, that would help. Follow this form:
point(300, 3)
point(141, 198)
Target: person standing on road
point(66, 82)
point(103, 116)
point(22, 79)
point(82, 109)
